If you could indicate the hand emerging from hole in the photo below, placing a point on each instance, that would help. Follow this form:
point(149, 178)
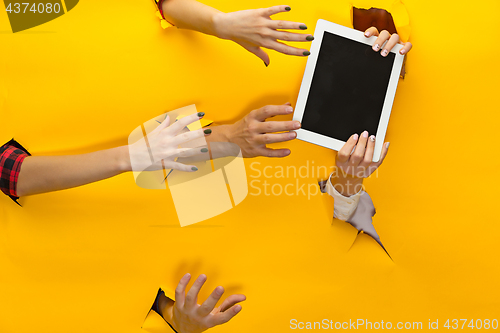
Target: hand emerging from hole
point(187, 316)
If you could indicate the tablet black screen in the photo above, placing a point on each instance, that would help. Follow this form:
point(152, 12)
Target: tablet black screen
point(348, 88)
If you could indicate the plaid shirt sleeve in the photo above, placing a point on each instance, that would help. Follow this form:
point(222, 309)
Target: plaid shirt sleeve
point(12, 155)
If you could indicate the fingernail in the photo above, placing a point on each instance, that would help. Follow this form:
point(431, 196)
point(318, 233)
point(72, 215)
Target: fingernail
point(376, 47)
point(306, 53)
point(365, 134)
point(372, 138)
point(303, 27)
point(292, 135)
point(296, 125)
point(207, 131)
point(204, 150)
point(310, 38)
point(265, 64)
point(289, 109)
point(402, 51)
point(368, 34)
point(201, 114)
point(387, 145)
point(385, 53)
point(219, 290)
point(237, 308)
point(288, 9)
point(194, 168)
point(355, 137)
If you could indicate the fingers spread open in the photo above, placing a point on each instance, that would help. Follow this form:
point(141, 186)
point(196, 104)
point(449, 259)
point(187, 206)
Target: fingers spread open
point(258, 52)
point(382, 38)
point(232, 300)
point(345, 152)
point(372, 31)
point(289, 50)
point(189, 152)
point(224, 317)
point(390, 44)
point(291, 36)
point(277, 126)
point(270, 111)
point(164, 124)
point(188, 136)
point(180, 291)
point(211, 301)
point(192, 295)
point(182, 123)
point(275, 10)
point(274, 138)
point(285, 25)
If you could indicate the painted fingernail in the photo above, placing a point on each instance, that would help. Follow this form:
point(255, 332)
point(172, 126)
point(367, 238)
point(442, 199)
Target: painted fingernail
point(289, 109)
point(376, 47)
point(368, 34)
point(387, 145)
point(201, 114)
point(372, 138)
point(194, 168)
point(306, 53)
point(355, 137)
point(207, 131)
point(365, 134)
point(204, 150)
point(265, 64)
point(303, 27)
point(310, 38)
point(384, 53)
point(296, 125)
point(288, 9)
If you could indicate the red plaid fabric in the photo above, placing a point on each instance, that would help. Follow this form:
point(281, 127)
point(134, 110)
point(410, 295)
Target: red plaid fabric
point(12, 155)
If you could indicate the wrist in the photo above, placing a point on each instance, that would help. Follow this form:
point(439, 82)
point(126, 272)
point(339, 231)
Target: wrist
point(345, 184)
point(219, 25)
point(123, 163)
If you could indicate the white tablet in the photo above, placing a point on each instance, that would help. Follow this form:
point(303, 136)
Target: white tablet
point(347, 88)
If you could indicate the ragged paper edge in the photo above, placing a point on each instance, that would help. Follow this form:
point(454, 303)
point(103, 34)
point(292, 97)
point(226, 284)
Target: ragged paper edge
point(365, 198)
point(398, 11)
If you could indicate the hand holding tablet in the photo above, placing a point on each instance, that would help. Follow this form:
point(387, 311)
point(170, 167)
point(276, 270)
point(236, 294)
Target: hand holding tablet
point(347, 87)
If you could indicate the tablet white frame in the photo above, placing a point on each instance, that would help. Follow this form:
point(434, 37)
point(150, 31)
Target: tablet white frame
point(357, 36)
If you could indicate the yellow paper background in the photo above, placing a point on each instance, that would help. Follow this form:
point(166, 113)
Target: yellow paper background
point(91, 259)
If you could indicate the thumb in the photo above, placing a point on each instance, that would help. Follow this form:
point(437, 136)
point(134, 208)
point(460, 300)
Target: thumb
point(258, 52)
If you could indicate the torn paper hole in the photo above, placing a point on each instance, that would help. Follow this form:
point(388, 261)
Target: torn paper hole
point(361, 219)
point(394, 19)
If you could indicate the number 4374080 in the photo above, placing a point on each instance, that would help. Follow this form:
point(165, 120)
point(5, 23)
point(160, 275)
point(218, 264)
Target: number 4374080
point(26, 7)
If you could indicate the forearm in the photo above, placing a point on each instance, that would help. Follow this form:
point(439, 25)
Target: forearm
point(40, 174)
point(191, 14)
point(346, 184)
